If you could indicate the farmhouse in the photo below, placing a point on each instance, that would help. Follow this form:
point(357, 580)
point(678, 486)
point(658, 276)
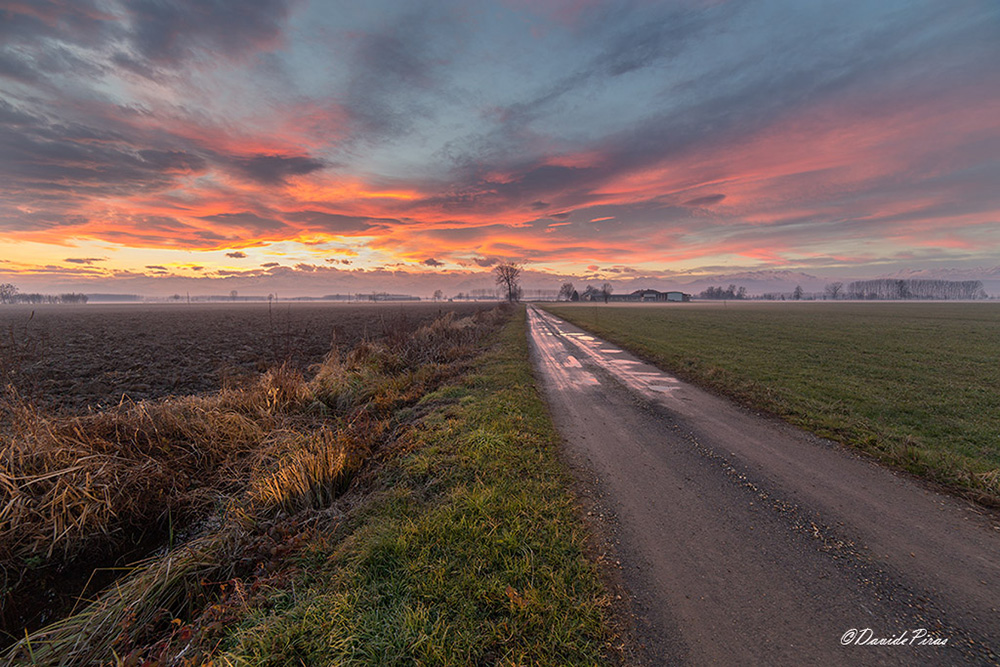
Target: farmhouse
point(651, 295)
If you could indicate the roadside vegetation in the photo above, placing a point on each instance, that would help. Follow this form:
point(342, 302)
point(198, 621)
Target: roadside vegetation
point(915, 385)
point(403, 504)
point(466, 551)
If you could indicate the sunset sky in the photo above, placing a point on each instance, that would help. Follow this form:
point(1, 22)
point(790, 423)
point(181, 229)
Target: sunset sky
point(323, 147)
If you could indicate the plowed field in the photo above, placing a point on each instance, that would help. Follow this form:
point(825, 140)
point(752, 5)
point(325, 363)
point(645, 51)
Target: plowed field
point(74, 358)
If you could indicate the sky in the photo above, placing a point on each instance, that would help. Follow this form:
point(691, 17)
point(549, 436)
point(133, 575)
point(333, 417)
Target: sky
point(327, 147)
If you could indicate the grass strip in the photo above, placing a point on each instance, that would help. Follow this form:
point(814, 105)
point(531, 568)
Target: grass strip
point(468, 552)
point(916, 385)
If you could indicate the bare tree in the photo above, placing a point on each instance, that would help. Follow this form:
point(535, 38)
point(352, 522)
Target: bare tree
point(508, 277)
point(606, 290)
point(797, 293)
point(438, 295)
point(566, 292)
point(8, 292)
point(833, 290)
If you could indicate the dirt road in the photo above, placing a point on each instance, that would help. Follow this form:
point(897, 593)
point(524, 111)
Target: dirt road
point(745, 541)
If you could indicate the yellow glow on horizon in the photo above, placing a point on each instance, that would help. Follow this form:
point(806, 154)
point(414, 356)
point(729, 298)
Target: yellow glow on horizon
point(313, 191)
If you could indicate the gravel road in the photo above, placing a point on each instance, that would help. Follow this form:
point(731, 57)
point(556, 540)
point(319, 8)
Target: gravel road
point(745, 541)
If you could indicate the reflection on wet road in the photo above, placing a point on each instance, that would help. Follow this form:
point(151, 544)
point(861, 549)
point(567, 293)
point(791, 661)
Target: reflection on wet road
point(647, 380)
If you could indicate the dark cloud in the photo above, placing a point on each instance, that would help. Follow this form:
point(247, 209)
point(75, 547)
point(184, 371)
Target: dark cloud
point(84, 260)
point(707, 200)
point(634, 45)
point(156, 267)
point(13, 66)
point(47, 37)
point(268, 265)
point(41, 155)
point(336, 223)
point(273, 169)
point(170, 32)
point(172, 161)
point(430, 261)
point(395, 71)
point(244, 220)
point(39, 21)
point(486, 262)
point(11, 115)
point(236, 255)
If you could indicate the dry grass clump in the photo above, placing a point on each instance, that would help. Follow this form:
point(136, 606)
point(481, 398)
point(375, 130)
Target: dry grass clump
point(308, 473)
point(161, 591)
point(72, 484)
point(383, 374)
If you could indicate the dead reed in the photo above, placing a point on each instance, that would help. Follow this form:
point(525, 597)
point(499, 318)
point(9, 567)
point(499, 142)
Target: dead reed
point(70, 484)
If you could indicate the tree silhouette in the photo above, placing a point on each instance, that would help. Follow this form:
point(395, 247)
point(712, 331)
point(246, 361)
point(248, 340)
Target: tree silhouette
point(508, 277)
point(7, 293)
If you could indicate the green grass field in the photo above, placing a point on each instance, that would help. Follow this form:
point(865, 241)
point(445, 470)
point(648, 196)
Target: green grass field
point(915, 384)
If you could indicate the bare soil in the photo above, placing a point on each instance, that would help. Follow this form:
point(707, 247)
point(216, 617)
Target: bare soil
point(75, 358)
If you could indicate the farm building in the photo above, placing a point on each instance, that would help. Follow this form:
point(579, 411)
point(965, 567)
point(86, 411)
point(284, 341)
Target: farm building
point(651, 295)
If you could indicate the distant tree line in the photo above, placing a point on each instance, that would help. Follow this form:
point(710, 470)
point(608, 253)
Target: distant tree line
point(478, 295)
point(10, 294)
point(731, 292)
point(916, 289)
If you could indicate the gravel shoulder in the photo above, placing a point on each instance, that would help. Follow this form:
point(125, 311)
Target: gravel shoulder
point(746, 541)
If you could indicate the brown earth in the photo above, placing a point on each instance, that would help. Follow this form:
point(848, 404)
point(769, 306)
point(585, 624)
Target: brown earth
point(73, 358)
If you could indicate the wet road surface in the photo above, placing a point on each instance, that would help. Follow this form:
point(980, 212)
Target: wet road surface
point(745, 541)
